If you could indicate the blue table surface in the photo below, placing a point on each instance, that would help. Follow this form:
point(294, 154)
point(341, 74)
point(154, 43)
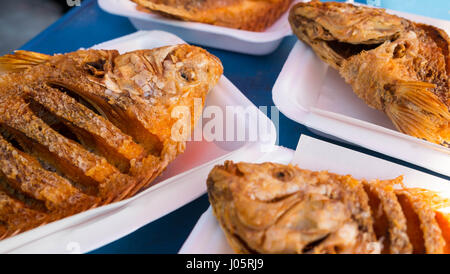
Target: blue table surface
point(255, 76)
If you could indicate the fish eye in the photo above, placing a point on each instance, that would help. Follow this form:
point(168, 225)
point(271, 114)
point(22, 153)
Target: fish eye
point(188, 74)
point(184, 76)
point(283, 174)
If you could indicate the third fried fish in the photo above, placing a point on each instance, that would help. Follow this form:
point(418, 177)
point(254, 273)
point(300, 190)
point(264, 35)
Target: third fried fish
point(274, 208)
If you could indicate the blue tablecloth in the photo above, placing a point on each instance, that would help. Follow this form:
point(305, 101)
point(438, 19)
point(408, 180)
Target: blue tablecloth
point(87, 25)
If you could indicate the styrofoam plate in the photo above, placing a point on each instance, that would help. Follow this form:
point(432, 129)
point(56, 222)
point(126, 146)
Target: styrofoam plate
point(310, 92)
point(249, 42)
point(313, 154)
point(182, 182)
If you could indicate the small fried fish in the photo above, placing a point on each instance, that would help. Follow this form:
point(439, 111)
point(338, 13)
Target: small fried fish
point(274, 208)
point(397, 66)
point(90, 127)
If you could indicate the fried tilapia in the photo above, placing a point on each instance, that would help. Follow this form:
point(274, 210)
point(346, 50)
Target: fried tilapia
point(87, 128)
point(397, 66)
point(252, 15)
point(274, 208)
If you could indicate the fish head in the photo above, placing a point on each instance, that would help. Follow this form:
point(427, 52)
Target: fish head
point(283, 201)
point(346, 22)
point(337, 31)
point(263, 182)
point(170, 81)
point(166, 72)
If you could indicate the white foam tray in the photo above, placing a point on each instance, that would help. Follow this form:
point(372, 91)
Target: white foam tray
point(182, 182)
point(249, 42)
point(310, 92)
point(207, 236)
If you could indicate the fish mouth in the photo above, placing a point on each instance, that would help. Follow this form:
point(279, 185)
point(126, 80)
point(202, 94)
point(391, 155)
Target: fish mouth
point(229, 168)
point(347, 50)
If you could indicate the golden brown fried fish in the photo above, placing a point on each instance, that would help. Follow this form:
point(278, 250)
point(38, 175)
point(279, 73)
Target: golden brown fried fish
point(395, 65)
point(274, 208)
point(90, 127)
point(252, 15)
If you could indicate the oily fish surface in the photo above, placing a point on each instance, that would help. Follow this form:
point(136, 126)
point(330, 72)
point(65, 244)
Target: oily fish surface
point(274, 208)
point(90, 127)
point(394, 65)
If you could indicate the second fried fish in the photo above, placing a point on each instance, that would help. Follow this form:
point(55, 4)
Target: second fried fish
point(395, 65)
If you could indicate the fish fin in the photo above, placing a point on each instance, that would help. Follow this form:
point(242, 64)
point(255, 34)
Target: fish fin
point(419, 94)
point(21, 60)
point(418, 112)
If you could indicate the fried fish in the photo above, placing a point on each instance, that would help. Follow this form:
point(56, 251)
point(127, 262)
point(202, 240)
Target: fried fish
point(395, 65)
point(90, 127)
point(252, 15)
point(274, 208)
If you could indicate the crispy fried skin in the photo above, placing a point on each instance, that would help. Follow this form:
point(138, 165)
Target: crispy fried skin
point(437, 203)
point(271, 208)
point(395, 65)
point(91, 127)
point(274, 208)
point(252, 15)
point(393, 228)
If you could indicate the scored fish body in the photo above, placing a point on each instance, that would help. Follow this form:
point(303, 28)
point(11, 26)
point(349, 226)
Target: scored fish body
point(274, 208)
point(252, 15)
point(397, 66)
point(91, 127)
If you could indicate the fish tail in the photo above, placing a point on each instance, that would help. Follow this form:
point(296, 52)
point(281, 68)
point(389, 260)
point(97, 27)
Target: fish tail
point(21, 60)
point(418, 112)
